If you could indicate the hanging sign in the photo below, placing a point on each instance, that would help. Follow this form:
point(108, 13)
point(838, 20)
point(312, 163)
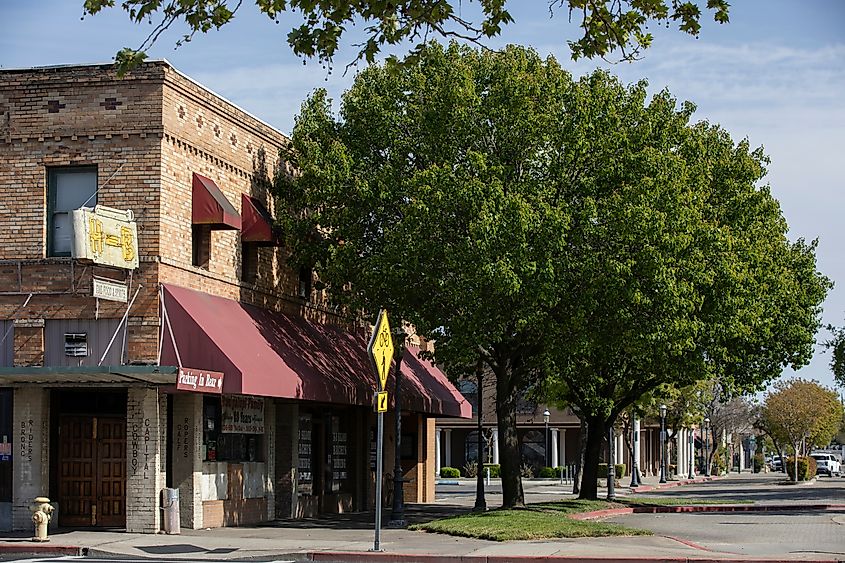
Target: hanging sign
point(110, 290)
point(200, 381)
point(105, 236)
point(242, 414)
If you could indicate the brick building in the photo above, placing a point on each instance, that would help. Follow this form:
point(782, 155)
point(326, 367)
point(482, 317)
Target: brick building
point(98, 408)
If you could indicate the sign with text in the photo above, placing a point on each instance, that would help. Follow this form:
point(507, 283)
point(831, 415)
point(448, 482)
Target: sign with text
point(110, 290)
point(242, 414)
point(105, 236)
point(200, 381)
point(5, 450)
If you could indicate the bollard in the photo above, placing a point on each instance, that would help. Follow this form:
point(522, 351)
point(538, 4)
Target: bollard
point(488, 476)
point(42, 513)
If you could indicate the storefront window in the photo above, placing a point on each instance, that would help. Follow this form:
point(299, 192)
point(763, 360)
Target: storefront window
point(233, 429)
point(305, 476)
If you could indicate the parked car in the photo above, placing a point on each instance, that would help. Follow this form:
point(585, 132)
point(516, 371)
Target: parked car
point(826, 464)
point(776, 464)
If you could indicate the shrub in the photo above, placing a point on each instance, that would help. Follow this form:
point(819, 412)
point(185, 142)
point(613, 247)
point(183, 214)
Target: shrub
point(758, 463)
point(526, 470)
point(547, 473)
point(620, 470)
point(806, 468)
point(720, 460)
point(450, 472)
point(495, 470)
point(471, 469)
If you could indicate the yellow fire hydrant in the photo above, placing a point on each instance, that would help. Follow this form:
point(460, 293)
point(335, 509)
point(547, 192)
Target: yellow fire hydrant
point(42, 512)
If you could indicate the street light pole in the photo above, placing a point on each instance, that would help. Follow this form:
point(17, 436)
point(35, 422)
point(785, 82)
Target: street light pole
point(707, 447)
point(397, 514)
point(662, 443)
point(546, 416)
point(635, 470)
point(691, 453)
point(611, 465)
point(480, 502)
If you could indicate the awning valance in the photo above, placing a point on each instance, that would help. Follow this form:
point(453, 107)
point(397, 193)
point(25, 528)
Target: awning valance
point(89, 375)
point(210, 206)
point(271, 354)
point(256, 223)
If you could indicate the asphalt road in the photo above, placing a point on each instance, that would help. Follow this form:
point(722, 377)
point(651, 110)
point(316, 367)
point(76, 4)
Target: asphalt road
point(810, 533)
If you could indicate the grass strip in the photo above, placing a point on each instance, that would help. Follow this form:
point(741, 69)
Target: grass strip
point(535, 522)
point(679, 501)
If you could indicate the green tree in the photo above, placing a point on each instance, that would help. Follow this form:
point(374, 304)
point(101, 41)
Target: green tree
point(837, 361)
point(607, 26)
point(571, 235)
point(433, 194)
point(801, 413)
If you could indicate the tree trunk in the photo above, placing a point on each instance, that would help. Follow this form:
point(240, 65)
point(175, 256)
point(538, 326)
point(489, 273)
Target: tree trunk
point(582, 452)
point(509, 454)
point(795, 460)
point(596, 430)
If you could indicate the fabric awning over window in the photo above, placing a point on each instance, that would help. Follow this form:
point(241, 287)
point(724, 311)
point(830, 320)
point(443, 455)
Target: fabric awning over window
point(257, 224)
point(276, 355)
point(210, 206)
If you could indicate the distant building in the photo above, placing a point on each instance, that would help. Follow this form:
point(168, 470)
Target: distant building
point(172, 346)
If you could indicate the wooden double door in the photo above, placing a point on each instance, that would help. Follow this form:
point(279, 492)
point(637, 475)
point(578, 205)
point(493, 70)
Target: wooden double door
point(92, 471)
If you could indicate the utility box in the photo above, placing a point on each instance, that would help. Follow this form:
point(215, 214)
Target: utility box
point(170, 511)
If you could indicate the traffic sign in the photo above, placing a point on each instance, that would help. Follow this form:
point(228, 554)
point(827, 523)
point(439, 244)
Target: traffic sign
point(381, 348)
point(381, 403)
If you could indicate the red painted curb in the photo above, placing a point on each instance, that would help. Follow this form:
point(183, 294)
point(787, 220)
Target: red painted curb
point(385, 557)
point(724, 508)
point(41, 548)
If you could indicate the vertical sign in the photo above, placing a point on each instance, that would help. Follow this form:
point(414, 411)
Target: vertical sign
point(380, 351)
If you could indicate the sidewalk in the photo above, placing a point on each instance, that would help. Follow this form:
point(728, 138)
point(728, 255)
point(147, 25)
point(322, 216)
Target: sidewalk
point(349, 537)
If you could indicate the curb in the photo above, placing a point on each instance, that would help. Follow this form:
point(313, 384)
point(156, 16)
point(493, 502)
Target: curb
point(383, 557)
point(42, 549)
point(717, 508)
point(670, 484)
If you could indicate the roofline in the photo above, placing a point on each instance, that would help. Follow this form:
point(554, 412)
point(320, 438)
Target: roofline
point(149, 61)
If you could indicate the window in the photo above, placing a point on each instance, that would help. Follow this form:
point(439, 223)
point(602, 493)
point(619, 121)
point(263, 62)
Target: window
point(68, 189)
point(305, 283)
point(76, 344)
point(249, 262)
point(222, 446)
point(200, 245)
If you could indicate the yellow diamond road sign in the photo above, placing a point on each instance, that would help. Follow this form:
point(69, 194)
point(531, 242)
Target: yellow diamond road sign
point(381, 348)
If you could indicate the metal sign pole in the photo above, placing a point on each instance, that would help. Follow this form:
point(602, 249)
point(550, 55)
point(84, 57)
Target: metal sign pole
point(379, 462)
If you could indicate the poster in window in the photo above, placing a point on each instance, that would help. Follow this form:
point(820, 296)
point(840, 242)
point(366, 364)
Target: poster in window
point(339, 456)
point(242, 414)
point(304, 475)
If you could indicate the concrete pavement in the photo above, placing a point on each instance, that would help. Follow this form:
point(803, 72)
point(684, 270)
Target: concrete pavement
point(348, 538)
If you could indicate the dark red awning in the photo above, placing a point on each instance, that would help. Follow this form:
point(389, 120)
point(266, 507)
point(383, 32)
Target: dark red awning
point(210, 206)
point(257, 224)
point(276, 355)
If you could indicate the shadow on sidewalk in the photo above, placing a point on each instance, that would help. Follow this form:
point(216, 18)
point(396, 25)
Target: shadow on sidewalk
point(414, 514)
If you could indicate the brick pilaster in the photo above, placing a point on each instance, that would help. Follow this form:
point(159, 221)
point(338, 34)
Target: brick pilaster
point(187, 458)
point(143, 460)
point(30, 450)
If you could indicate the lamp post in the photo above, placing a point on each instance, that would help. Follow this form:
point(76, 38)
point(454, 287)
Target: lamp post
point(635, 457)
point(397, 514)
point(662, 443)
point(546, 416)
point(480, 501)
point(706, 447)
point(611, 464)
point(691, 453)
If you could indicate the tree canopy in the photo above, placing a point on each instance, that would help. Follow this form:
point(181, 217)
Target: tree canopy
point(575, 234)
point(799, 410)
point(607, 27)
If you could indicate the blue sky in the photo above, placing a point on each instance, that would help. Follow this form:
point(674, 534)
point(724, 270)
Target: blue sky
point(775, 74)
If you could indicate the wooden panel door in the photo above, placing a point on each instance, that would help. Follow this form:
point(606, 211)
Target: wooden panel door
point(77, 471)
point(111, 471)
point(92, 471)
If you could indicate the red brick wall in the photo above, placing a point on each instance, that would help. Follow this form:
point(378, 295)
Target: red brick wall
point(28, 345)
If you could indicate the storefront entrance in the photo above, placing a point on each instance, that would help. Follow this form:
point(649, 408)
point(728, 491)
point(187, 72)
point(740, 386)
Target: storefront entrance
point(91, 463)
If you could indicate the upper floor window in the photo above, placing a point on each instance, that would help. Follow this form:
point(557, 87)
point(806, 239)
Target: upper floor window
point(68, 188)
point(305, 283)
